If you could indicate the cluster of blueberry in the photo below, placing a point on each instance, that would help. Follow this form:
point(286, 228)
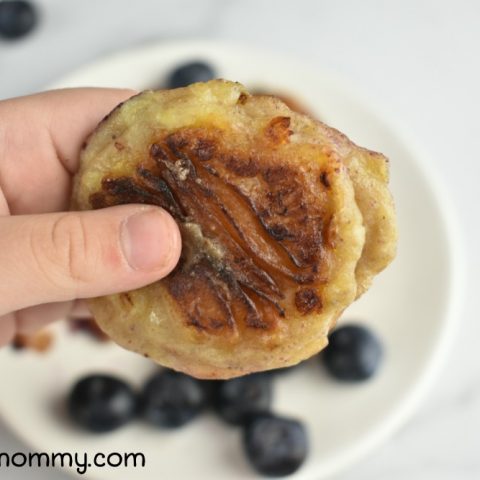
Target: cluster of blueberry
point(275, 445)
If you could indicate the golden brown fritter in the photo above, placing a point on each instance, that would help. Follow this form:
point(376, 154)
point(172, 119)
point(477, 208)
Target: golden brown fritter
point(271, 230)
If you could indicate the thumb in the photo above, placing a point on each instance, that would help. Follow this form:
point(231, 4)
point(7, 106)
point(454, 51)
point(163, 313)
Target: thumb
point(62, 256)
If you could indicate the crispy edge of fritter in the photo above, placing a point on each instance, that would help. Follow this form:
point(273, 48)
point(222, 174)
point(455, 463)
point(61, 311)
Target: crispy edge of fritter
point(369, 172)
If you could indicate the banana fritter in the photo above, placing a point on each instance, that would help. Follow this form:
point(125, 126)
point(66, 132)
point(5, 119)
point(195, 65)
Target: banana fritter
point(273, 209)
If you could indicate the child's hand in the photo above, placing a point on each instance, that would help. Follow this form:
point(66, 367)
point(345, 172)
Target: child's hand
point(50, 257)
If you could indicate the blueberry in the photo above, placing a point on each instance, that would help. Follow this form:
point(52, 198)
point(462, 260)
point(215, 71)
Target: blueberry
point(353, 354)
point(101, 403)
point(17, 18)
point(189, 73)
point(235, 400)
point(171, 399)
point(276, 446)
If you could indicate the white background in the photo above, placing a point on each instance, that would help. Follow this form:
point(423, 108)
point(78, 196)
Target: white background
point(420, 60)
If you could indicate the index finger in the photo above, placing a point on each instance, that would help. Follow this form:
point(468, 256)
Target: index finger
point(40, 139)
point(70, 115)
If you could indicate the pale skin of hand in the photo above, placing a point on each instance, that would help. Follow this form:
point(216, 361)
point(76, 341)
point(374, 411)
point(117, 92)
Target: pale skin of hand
point(48, 261)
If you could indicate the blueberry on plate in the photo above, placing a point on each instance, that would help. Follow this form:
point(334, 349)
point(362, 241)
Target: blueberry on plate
point(171, 399)
point(17, 18)
point(189, 73)
point(354, 353)
point(237, 399)
point(101, 403)
point(275, 446)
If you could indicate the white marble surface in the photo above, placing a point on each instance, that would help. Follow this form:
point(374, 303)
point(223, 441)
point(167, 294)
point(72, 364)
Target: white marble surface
point(418, 59)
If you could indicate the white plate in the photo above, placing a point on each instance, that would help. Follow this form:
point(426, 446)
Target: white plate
point(411, 306)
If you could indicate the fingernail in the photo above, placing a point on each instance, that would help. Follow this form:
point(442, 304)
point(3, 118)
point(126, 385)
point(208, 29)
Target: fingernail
point(150, 240)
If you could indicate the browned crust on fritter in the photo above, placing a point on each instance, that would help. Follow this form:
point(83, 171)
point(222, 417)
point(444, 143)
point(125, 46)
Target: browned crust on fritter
point(270, 240)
